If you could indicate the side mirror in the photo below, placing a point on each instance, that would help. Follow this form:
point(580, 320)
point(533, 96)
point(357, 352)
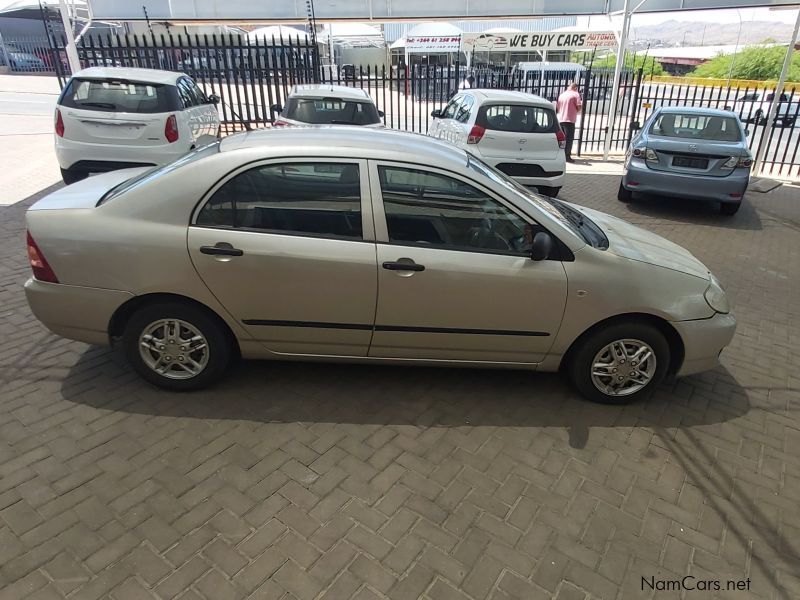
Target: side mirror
point(213, 99)
point(542, 246)
point(436, 114)
point(635, 126)
point(381, 113)
point(746, 132)
point(276, 108)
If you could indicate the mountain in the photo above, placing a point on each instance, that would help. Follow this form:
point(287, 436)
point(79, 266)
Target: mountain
point(701, 33)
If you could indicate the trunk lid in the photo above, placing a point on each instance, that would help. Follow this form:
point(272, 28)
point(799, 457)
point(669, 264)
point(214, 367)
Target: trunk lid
point(107, 127)
point(86, 193)
point(693, 157)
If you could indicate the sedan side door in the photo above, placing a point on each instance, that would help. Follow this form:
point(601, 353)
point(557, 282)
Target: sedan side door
point(455, 277)
point(287, 247)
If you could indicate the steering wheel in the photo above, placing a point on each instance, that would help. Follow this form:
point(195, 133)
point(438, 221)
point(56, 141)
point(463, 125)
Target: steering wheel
point(485, 237)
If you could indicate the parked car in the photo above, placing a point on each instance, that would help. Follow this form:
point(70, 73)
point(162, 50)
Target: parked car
point(25, 61)
point(115, 118)
point(754, 107)
point(516, 133)
point(325, 104)
point(689, 153)
point(356, 244)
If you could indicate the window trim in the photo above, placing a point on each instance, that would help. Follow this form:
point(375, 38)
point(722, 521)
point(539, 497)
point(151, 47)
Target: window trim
point(379, 214)
point(367, 217)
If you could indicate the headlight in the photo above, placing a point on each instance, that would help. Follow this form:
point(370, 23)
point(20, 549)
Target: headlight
point(715, 296)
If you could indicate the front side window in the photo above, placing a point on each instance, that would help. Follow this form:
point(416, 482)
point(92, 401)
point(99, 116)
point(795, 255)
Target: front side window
point(697, 127)
point(462, 114)
point(518, 118)
point(331, 111)
point(117, 96)
point(432, 210)
point(449, 111)
point(317, 199)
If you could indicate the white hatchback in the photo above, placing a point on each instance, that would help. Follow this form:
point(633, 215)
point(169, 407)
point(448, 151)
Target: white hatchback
point(515, 132)
point(111, 118)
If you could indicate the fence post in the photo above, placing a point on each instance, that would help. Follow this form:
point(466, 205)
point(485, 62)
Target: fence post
point(587, 78)
point(633, 109)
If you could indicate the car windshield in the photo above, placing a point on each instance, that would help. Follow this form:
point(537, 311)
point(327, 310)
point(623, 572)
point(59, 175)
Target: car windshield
point(331, 111)
point(572, 219)
point(695, 126)
point(117, 96)
point(149, 175)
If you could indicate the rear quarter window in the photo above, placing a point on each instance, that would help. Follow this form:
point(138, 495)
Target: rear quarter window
point(518, 118)
point(119, 96)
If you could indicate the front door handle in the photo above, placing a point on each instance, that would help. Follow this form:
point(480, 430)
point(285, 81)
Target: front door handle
point(403, 266)
point(221, 249)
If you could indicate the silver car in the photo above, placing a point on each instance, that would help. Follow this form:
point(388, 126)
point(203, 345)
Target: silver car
point(690, 153)
point(353, 244)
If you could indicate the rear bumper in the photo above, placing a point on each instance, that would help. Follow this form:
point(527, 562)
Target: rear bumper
point(550, 171)
point(103, 157)
point(703, 341)
point(639, 178)
point(74, 312)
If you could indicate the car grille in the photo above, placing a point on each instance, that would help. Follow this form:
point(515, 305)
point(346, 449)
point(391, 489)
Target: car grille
point(526, 170)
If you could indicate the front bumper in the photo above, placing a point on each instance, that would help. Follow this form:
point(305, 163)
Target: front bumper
point(74, 312)
point(703, 341)
point(69, 153)
point(639, 177)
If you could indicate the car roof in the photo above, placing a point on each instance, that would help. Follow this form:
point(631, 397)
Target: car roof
point(131, 74)
point(349, 141)
point(697, 110)
point(311, 90)
point(508, 96)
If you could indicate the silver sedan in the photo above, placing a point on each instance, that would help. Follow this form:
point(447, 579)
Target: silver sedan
point(348, 244)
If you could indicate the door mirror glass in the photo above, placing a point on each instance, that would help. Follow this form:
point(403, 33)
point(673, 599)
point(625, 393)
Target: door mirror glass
point(381, 113)
point(542, 246)
point(436, 114)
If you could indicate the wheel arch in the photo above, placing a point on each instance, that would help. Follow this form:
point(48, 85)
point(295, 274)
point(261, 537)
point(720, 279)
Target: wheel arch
point(676, 347)
point(121, 316)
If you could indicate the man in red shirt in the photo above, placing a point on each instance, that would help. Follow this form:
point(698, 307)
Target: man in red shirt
point(568, 106)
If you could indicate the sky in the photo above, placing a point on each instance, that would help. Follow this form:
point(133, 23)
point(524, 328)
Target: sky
point(728, 15)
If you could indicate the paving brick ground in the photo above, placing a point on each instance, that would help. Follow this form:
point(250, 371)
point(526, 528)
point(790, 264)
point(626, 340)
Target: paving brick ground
point(315, 481)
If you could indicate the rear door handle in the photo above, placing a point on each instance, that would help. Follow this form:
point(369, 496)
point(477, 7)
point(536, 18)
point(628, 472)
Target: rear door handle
point(403, 266)
point(221, 249)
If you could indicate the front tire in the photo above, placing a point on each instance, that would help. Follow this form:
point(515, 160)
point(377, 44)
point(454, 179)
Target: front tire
point(624, 195)
point(177, 346)
point(73, 175)
point(548, 191)
point(620, 363)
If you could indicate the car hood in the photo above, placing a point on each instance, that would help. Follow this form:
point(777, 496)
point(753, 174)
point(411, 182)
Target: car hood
point(632, 242)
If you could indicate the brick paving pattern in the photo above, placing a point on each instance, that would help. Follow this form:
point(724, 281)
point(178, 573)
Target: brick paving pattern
point(314, 481)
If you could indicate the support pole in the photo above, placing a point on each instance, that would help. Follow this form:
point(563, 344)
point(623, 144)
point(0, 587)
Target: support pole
point(773, 109)
point(612, 112)
point(72, 49)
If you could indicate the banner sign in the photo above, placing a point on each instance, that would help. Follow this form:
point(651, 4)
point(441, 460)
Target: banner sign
point(433, 43)
point(542, 41)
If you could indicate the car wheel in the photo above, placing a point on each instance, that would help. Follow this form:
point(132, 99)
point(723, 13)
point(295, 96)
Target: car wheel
point(176, 346)
point(548, 191)
point(624, 195)
point(72, 175)
point(729, 208)
point(620, 363)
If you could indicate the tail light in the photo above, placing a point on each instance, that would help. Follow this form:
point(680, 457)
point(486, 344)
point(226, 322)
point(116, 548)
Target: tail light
point(279, 123)
point(59, 124)
point(171, 129)
point(41, 270)
point(638, 152)
point(475, 134)
point(744, 162)
point(561, 138)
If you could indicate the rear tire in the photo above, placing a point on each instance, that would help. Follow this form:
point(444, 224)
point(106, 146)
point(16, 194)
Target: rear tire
point(548, 191)
point(73, 175)
point(195, 351)
point(729, 208)
point(624, 195)
point(598, 348)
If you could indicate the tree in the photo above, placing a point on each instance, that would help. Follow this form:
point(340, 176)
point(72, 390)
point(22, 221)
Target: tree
point(633, 62)
point(755, 62)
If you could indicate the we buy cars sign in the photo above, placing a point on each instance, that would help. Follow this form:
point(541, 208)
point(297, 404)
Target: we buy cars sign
point(542, 41)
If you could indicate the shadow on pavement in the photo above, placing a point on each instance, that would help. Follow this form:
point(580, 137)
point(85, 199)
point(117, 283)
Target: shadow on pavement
point(696, 212)
point(286, 392)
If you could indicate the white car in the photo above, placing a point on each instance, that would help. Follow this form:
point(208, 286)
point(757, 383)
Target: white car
point(755, 106)
point(111, 118)
point(515, 132)
point(325, 104)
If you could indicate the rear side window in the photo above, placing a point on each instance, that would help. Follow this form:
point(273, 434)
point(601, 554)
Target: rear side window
point(518, 118)
point(316, 199)
point(119, 96)
point(322, 111)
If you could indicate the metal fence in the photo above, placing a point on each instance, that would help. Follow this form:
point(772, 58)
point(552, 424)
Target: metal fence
point(254, 76)
point(26, 54)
